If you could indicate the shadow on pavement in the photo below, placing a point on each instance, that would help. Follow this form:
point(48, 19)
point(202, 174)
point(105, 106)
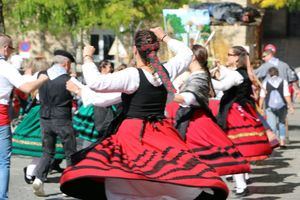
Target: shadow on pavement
point(284, 188)
point(262, 198)
point(269, 175)
point(53, 179)
point(294, 127)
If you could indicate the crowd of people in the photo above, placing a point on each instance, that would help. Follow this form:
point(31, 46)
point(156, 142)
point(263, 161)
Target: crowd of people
point(137, 132)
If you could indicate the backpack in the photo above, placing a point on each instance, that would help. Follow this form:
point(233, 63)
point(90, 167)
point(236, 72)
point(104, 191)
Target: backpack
point(275, 100)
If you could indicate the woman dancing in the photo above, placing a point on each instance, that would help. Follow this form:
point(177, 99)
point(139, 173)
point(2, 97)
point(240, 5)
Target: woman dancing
point(144, 158)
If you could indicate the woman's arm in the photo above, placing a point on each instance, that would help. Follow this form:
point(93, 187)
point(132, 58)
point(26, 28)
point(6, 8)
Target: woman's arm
point(186, 99)
point(183, 54)
point(231, 79)
point(90, 97)
point(181, 61)
point(126, 81)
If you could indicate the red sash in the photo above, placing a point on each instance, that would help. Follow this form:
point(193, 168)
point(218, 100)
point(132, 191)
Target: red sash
point(4, 118)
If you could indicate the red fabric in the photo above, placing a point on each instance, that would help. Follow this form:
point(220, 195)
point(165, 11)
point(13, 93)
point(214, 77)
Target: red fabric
point(159, 156)
point(211, 145)
point(4, 118)
point(247, 132)
point(18, 95)
point(214, 105)
point(291, 90)
point(21, 94)
point(270, 47)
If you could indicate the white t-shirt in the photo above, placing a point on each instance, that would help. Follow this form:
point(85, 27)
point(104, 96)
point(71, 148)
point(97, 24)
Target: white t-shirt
point(9, 78)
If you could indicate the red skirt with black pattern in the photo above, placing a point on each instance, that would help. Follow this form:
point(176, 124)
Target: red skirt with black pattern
point(157, 154)
point(210, 144)
point(247, 132)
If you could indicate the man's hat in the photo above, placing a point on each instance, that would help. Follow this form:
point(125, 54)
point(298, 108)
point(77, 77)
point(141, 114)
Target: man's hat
point(65, 54)
point(270, 47)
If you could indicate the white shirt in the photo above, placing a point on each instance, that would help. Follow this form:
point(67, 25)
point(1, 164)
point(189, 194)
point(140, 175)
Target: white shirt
point(55, 71)
point(9, 78)
point(128, 80)
point(275, 82)
point(229, 78)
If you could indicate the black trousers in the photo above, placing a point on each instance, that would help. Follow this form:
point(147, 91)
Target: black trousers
point(51, 129)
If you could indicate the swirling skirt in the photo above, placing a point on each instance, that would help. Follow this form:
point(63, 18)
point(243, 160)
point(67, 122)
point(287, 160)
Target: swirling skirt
point(247, 132)
point(27, 137)
point(84, 124)
point(211, 145)
point(156, 154)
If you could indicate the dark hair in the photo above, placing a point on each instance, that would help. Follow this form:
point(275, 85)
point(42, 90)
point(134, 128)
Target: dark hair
point(121, 67)
point(252, 13)
point(241, 53)
point(273, 71)
point(144, 38)
point(201, 56)
point(104, 64)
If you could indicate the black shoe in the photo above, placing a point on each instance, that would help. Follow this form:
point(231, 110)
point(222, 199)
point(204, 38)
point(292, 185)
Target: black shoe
point(205, 196)
point(27, 180)
point(243, 193)
point(283, 147)
point(229, 179)
point(56, 168)
point(248, 181)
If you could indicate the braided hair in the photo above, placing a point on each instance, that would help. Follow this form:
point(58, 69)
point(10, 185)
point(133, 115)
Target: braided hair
point(147, 45)
point(201, 56)
point(146, 42)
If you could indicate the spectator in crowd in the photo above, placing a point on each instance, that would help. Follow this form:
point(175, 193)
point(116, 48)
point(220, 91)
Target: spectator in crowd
point(270, 60)
point(277, 100)
point(9, 78)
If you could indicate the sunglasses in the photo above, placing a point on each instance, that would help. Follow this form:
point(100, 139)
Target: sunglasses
point(229, 54)
point(11, 48)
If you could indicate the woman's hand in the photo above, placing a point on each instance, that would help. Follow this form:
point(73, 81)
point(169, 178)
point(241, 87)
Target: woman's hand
point(43, 77)
point(291, 109)
point(72, 87)
point(160, 34)
point(88, 52)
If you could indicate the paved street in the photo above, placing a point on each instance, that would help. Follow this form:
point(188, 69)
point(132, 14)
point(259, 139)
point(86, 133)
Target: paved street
point(276, 178)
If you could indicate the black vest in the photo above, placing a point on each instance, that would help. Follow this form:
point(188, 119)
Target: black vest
point(55, 99)
point(147, 101)
point(240, 94)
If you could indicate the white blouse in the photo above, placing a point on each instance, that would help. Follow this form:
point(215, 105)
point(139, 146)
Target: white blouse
point(128, 80)
point(229, 78)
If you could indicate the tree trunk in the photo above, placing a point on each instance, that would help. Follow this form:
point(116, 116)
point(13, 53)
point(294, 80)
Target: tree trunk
point(2, 29)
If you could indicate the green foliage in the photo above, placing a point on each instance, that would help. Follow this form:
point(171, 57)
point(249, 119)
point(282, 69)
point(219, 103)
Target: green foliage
point(175, 23)
point(54, 16)
point(290, 4)
point(293, 5)
point(61, 16)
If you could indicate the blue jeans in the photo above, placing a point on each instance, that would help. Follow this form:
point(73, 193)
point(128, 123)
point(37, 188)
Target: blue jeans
point(5, 153)
point(276, 120)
